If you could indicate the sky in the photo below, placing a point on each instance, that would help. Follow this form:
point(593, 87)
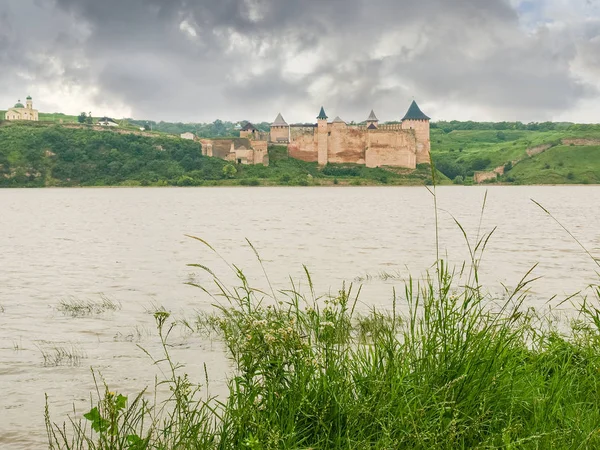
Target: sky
point(202, 60)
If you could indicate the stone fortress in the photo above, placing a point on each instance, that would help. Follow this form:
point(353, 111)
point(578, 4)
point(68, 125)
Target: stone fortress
point(20, 112)
point(403, 144)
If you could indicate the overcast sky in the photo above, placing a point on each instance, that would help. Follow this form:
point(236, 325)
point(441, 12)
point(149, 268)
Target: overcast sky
point(201, 60)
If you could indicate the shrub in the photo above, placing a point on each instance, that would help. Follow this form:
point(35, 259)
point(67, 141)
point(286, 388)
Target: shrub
point(229, 171)
point(459, 180)
point(480, 163)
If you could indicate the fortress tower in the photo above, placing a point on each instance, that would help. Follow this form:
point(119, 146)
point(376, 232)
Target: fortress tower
point(372, 121)
point(419, 122)
point(280, 130)
point(322, 138)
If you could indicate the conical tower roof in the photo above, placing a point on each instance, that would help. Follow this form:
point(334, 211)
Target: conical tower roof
point(415, 113)
point(372, 117)
point(279, 121)
point(338, 120)
point(322, 115)
point(249, 127)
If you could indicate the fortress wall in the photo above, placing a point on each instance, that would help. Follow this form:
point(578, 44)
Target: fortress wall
point(390, 148)
point(346, 145)
point(297, 132)
point(304, 144)
point(245, 156)
point(220, 147)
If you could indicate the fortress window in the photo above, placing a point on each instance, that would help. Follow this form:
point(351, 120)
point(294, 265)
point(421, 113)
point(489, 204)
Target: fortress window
point(329, 133)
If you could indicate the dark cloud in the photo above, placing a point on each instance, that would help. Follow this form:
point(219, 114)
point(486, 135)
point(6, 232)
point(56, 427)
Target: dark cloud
point(201, 60)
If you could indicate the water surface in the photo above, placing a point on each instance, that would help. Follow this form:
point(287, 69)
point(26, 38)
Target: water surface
point(130, 245)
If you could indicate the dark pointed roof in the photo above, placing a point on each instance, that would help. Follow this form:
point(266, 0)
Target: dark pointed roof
point(279, 121)
point(415, 113)
point(372, 117)
point(249, 127)
point(322, 115)
point(372, 127)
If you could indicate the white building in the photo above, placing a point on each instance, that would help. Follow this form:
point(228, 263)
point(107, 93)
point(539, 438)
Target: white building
point(189, 136)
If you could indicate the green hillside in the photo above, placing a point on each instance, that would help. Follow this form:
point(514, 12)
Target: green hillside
point(37, 155)
point(461, 153)
point(559, 165)
point(46, 154)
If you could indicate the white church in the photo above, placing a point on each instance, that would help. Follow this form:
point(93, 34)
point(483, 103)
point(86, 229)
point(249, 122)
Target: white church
point(20, 112)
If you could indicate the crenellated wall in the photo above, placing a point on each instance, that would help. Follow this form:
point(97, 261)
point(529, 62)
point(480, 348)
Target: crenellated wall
point(346, 145)
point(303, 144)
point(343, 144)
point(391, 148)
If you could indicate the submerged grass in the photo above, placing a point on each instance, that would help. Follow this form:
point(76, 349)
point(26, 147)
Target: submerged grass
point(55, 355)
point(443, 368)
point(74, 307)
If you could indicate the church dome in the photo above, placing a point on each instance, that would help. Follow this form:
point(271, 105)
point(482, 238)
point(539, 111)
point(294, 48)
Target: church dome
point(19, 105)
point(29, 97)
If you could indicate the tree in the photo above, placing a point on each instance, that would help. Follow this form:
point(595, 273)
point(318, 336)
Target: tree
point(88, 119)
point(229, 171)
point(81, 118)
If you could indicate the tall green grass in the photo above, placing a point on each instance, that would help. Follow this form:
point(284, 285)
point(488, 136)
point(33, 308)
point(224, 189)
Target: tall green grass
point(444, 367)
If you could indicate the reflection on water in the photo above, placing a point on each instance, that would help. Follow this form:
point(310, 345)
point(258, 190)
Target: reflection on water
point(129, 246)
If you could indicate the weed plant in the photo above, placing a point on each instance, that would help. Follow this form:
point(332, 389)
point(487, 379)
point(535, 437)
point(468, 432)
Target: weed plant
point(444, 367)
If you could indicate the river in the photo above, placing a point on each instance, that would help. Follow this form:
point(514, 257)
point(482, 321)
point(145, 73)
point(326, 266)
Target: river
point(130, 246)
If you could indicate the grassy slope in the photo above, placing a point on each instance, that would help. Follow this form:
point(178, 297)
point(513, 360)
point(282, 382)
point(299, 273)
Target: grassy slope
point(465, 148)
point(561, 164)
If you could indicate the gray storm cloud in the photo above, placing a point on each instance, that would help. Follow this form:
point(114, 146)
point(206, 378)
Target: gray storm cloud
point(232, 59)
